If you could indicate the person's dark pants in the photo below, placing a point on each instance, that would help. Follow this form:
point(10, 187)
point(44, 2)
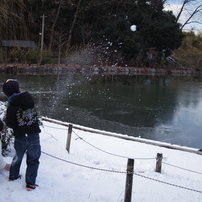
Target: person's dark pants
point(31, 145)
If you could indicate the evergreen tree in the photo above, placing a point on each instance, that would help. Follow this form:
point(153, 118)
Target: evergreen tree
point(101, 24)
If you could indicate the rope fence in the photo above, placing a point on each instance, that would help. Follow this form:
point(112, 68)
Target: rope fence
point(126, 157)
point(168, 146)
point(128, 172)
point(192, 171)
point(121, 172)
point(135, 158)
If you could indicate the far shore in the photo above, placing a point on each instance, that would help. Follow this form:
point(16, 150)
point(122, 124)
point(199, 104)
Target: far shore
point(74, 68)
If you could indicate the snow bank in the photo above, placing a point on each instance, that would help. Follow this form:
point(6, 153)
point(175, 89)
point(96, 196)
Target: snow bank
point(95, 170)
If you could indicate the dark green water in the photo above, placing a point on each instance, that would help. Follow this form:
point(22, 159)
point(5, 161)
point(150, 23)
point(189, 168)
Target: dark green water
point(167, 109)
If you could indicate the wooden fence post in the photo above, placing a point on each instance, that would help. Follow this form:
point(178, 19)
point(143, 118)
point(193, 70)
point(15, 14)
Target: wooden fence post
point(69, 135)
point(159, 158)
point(129, 181)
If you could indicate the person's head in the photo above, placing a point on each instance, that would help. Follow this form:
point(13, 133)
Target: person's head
point(10, 87)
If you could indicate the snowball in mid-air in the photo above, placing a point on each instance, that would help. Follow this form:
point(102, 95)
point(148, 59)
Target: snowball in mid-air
point(133, 28)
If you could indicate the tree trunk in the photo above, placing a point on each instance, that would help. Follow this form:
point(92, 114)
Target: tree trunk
point(72, 26)
point(53, 26)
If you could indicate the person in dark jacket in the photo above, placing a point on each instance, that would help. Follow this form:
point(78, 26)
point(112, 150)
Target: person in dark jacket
point(22, 117)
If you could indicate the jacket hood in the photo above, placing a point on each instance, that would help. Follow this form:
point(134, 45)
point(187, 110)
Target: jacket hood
point(23, 100)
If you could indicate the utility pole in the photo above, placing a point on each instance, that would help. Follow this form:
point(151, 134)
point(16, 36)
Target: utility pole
point(42, 38)
point(42, 32)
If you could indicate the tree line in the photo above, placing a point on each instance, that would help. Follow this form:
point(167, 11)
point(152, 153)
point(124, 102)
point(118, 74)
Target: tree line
point(94, 32)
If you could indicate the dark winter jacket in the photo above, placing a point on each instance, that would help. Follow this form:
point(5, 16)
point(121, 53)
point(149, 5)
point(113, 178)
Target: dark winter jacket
point(1, 125)
point(21, 115)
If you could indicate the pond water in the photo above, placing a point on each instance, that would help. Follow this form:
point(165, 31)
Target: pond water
point(163, 108)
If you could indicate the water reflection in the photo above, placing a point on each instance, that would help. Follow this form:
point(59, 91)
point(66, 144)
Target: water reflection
point(155, 107)
point(186, 124)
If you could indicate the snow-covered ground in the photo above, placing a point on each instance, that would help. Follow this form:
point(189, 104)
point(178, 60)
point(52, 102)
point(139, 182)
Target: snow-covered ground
point(95, 170)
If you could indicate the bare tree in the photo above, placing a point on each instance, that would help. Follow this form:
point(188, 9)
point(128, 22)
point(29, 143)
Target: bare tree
point(61, 41)
point(194, 11)
point(72, 26)
point(53, 26)
point(12, 22)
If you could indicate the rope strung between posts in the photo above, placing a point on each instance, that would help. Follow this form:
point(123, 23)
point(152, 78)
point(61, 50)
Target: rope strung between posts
point(77, 164)
point(182, 168)
point(120, 155)
point(168, 183)
point(109, 152)
point(80, 138)
point(49, 134)
point(54, 127)
point(123, 172)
